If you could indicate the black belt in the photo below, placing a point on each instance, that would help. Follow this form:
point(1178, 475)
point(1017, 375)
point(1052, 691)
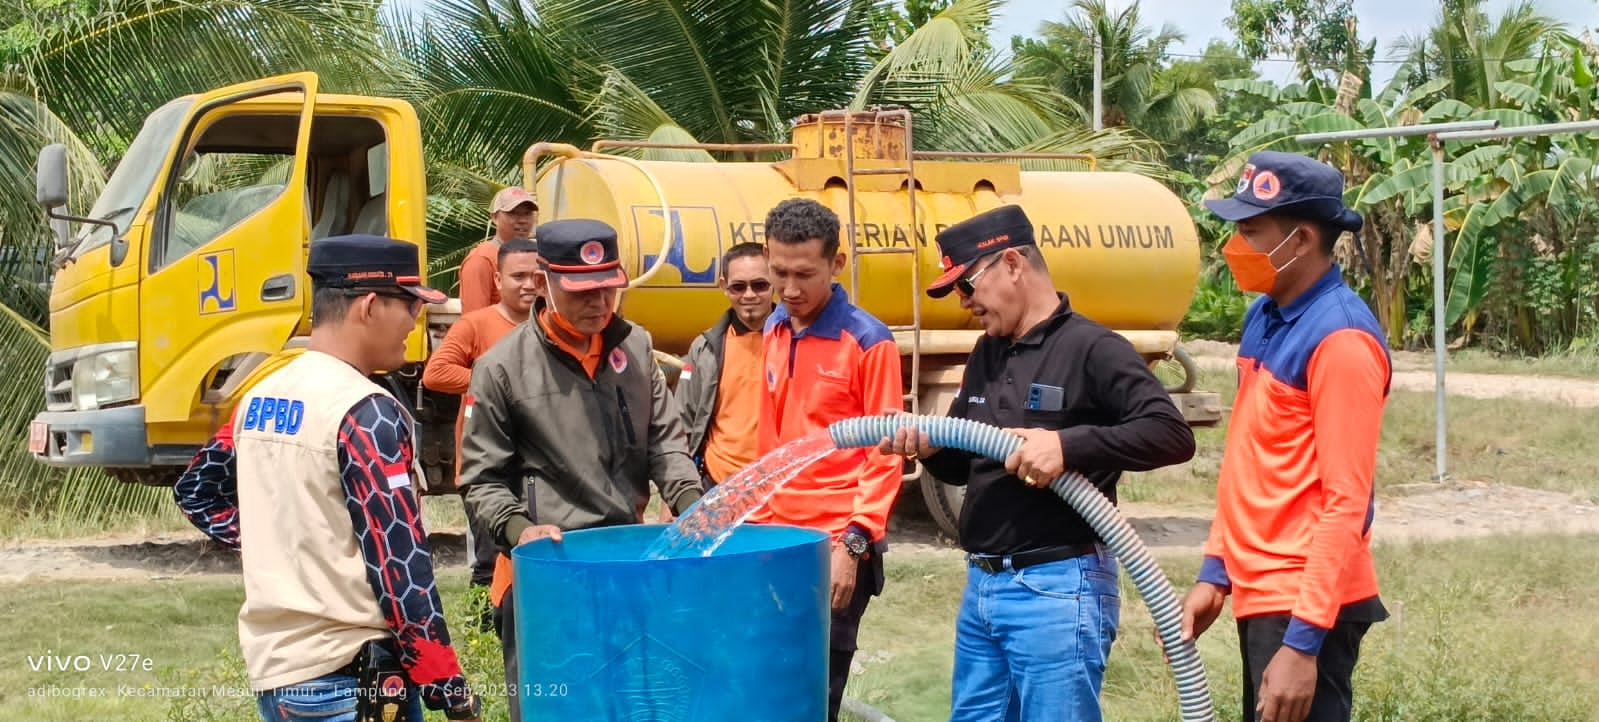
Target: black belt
point(1021, 560)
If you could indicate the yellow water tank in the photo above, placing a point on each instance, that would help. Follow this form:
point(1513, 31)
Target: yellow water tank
point(1121, 245)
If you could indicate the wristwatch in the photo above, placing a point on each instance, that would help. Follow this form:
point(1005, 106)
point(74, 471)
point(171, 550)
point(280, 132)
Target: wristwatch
point(473, 709)
point(855, 543)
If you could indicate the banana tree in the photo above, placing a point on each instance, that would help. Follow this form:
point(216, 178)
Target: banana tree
point(1386, 179)
point(1535, 214)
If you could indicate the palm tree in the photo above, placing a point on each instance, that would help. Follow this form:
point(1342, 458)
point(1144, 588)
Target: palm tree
point(1474, 52)
point(86, 76)
point(1138, 90)
point(716, 71)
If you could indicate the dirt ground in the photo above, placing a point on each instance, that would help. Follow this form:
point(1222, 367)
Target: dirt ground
point(1413, 371)
point(1450, 510)
point(1454, 509)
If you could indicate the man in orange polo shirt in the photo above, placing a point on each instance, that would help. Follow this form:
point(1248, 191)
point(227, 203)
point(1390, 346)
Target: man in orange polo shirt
point(512, 212)
point(723, 380)
point(827, 360)
point(1291, 541)
point(449, 370)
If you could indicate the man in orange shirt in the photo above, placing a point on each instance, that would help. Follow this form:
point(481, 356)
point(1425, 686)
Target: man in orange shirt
point(449, 370)
point(827, 360)
point(512, 212)
point(721, 384)
point(1291, 541)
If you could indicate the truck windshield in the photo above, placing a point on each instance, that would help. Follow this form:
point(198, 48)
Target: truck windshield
point(134, 176)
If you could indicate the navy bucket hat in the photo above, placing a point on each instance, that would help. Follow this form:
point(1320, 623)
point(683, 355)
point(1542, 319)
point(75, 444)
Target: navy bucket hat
point(1289, 184)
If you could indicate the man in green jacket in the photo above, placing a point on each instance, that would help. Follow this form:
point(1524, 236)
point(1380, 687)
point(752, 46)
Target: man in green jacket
point(568, 418)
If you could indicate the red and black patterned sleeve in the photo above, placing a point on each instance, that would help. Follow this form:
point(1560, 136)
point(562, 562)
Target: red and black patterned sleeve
point(207, 492)
point(375, 458)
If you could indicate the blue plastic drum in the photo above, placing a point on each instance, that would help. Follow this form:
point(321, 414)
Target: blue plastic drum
point(739, 635)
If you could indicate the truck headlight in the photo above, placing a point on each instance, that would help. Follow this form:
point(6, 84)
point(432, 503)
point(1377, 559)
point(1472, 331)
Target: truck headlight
point(105, 378)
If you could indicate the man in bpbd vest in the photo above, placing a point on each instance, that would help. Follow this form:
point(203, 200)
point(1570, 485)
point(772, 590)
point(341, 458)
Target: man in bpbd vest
point(312, 482)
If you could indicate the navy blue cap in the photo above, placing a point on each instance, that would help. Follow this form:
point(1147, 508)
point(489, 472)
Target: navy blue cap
point(988, 232)
point(1290, 184)
point(369, 262)
point(580, 254)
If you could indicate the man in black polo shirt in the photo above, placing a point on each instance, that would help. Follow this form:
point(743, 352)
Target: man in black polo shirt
point(1041, 608)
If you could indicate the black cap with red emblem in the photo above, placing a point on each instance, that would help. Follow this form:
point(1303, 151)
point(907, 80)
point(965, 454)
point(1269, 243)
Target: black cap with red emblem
point(362, 262)
point(988, 232)
point(580, 254)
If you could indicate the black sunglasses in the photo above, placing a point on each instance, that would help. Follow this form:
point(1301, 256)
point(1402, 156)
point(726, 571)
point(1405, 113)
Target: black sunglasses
point(738, 288)
point(964, 284)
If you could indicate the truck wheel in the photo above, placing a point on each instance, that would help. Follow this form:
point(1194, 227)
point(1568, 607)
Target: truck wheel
point(944, 503)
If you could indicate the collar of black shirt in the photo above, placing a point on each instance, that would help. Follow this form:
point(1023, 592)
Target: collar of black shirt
point(1036, 335)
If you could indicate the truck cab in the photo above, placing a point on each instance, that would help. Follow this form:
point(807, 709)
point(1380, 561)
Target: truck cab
point(185, 281)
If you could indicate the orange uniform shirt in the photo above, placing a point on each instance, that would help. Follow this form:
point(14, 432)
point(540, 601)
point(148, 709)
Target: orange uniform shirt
point(449, 370)
point(733, 441)
point(1295, 499)
point(844, 365)
point(478, 289)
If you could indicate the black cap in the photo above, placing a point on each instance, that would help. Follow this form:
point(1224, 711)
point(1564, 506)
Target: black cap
point(369, 262)
point(988, 232)
point(580, 254)
point(1274, 181)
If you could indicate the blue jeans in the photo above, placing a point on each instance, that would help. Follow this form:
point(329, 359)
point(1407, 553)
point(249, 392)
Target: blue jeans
point(329, 698)
point(1032, 645)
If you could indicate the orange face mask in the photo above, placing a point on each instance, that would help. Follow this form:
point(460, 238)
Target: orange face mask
point(1253, 270)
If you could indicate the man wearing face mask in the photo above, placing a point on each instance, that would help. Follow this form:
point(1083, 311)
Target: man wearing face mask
point(1041, 607)
point(1291, 540)
point(528, 473)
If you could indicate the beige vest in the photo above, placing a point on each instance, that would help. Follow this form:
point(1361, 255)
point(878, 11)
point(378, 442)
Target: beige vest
point(308, 606)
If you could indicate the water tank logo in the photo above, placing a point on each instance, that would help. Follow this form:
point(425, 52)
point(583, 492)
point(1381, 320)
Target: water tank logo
point(652, 682)
point(592, 253)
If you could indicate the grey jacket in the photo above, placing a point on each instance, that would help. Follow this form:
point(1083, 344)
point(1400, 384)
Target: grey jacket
point(581, 452)
point(702, 378)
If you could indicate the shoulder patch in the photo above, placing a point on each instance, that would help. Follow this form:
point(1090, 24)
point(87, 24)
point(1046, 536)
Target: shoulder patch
point(866, 329)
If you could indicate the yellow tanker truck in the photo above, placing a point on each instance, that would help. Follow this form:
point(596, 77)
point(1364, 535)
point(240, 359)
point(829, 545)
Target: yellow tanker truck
point(185, 281)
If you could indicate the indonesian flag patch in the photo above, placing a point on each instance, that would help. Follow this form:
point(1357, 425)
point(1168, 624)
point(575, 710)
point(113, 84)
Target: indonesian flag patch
point(688, 372)
point(397, 474)
point(466, 405)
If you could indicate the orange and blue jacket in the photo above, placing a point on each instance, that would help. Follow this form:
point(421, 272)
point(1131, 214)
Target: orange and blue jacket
point(1295, 497)
point(845, 364)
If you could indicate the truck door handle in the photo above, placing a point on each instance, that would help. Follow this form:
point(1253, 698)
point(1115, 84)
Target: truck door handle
point(278, 288)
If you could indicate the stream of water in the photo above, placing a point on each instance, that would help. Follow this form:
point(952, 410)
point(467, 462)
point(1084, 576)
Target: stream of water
point(712, 520)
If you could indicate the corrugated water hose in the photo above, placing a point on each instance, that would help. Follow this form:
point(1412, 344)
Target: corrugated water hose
point(1193, 692)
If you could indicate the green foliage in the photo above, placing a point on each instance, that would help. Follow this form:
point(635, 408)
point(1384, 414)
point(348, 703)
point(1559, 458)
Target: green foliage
point(1318, 35)
point(1139, 89)
point(1217, 312)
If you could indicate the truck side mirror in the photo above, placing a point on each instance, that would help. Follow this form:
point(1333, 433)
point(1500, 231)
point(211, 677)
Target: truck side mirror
point(52, 175)
point(51, 191)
